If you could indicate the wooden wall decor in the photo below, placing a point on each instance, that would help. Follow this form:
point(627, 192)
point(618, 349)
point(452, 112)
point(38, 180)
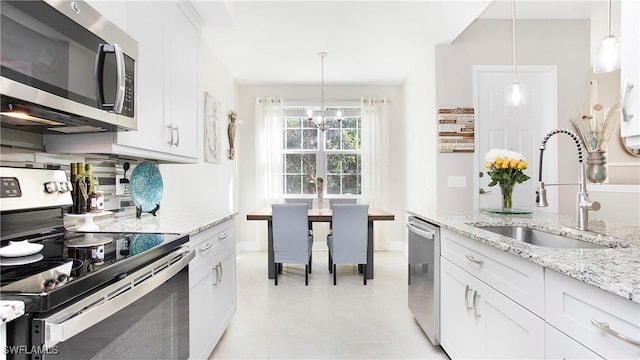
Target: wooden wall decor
point(456, 130)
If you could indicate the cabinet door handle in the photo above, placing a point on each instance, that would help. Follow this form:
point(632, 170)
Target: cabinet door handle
point(473, 259)
point(206, 247)
point(466, 297)
point(626, 88)
point(605, 327)
point(170, 142)
point(177, 135)
point(214, 279)
point(220, 272)
point(475, 304)
point(223, 236)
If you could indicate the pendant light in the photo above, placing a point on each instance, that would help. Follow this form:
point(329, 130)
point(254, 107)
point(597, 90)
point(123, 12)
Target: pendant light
point(515, 94)
point(321, 118)
point(607, 55)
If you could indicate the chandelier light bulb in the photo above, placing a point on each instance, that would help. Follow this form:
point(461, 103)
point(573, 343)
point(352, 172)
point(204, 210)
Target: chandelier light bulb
point(339, 114)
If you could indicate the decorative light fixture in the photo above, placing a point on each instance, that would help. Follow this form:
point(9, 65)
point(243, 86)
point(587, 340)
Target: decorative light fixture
point(515, 94)
point(320, 118)
point(607, 55)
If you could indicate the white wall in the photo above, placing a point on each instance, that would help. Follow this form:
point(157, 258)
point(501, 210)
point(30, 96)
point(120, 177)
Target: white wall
point(421, 138)
point(204, 185)
point(564, 43)
point(252, 234)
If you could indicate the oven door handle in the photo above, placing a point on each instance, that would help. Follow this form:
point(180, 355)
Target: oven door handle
point(80, 316)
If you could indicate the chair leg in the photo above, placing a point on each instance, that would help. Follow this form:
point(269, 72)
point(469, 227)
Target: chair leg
point(334, 274)
point(276, 278)
point(364, 273)
point(280, 268)
point(306, 275)
point(330, 263)
point(310, 261)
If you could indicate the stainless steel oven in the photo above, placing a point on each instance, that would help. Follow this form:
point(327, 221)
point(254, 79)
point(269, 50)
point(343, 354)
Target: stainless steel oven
point(65, 68)
point(424, 275)
point(87, 295)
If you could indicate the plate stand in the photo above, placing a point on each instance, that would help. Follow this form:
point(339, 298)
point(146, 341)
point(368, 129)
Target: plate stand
point(152, 212)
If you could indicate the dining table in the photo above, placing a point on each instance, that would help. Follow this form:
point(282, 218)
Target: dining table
point(320, 215)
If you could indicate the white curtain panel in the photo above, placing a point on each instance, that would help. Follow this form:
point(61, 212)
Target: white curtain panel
point(375, 154)
point(268, 150)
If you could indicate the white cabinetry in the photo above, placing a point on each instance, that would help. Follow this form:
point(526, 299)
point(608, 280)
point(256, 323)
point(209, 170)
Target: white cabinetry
point(478, 320)
point(166, 88)
point(595, 318)
point(558, 345)
point(630, 72)
point(212, 287)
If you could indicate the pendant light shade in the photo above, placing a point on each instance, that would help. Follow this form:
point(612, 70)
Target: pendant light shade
point(515, 94)
point(607, 55)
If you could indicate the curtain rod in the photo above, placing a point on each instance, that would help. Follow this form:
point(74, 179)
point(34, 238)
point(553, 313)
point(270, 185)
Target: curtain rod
point(333, 100)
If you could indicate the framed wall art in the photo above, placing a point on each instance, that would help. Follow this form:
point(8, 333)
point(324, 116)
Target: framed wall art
point(212, 130)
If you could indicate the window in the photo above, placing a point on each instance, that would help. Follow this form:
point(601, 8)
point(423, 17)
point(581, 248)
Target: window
point(335, 155)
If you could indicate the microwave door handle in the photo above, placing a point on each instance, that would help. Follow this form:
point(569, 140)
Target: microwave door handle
point(120, 79)
point(99, 78)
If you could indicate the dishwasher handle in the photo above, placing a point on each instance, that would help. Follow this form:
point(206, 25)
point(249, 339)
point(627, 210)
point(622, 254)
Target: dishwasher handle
point(80, 316)
point(416, 229)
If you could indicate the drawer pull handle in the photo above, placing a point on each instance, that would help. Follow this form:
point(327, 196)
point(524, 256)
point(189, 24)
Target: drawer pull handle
point(206, 247)
point(473, 259)
point(466, 297)
point(223, 236)
point(605, 327)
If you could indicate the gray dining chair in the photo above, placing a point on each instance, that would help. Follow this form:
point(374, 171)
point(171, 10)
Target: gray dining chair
point(307, 201)
point(292, 243)
point(347, 241)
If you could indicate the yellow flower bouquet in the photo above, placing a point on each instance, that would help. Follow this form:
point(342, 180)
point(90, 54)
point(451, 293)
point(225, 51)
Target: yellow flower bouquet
point(506, 169)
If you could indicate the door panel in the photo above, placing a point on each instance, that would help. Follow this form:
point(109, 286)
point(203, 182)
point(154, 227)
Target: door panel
point(519, 129)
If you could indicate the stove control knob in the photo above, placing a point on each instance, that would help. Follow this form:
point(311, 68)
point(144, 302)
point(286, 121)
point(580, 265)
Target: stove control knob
point(51, 187)
point(63, 187)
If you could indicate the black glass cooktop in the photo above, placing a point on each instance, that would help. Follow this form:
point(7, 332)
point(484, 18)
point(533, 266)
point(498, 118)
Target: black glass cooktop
point(71, 263)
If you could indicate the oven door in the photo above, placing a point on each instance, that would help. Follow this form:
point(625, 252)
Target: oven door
point(143, 316)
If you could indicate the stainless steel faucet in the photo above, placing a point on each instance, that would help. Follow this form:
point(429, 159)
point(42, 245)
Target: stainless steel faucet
point(583, 203)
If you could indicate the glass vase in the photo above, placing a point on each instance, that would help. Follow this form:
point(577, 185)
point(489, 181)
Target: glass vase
point(506, 188)
point(596, 166)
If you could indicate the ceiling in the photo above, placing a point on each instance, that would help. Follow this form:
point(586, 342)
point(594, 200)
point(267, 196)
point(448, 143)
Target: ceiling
point(368, 42)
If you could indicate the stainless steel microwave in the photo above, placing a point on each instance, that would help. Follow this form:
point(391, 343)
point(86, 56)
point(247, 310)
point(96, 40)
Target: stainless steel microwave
point(65, 69)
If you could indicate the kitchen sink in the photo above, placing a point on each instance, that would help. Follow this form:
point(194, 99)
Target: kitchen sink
point(540, 238)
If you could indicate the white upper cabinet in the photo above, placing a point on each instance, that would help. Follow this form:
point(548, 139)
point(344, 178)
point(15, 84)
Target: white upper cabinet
point(166, 85)
point(630, 73)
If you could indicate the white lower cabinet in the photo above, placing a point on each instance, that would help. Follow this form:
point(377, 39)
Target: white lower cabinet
point(607, 324)
point(497, 305)
point(479, 322)
point(212, 287)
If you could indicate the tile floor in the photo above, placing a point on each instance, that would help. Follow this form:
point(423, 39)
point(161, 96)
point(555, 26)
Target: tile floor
point(322, 321)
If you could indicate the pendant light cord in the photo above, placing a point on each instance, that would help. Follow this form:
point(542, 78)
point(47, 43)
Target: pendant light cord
point(513, 28)
point(609, 20)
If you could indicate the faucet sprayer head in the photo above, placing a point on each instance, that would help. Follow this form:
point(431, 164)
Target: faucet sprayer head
point(541, 195)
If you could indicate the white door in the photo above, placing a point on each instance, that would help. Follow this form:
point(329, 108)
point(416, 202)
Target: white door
point(519, 129)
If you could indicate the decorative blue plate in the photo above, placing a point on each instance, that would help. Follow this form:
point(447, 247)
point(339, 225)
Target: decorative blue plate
point(146, 186)
point(142, 242)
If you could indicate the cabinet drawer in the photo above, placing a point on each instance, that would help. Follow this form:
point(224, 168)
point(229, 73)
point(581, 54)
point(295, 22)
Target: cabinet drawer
point(518, 279)
point(575, 308)
point(211, 242)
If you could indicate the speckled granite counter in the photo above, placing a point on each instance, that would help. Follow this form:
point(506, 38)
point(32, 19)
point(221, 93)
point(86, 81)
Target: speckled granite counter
point(615, 269)
point(167, 222)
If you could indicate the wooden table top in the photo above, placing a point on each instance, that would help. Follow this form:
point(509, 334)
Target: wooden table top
point(316, 215)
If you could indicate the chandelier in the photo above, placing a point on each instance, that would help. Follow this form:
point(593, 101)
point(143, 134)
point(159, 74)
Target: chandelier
point(324, 119)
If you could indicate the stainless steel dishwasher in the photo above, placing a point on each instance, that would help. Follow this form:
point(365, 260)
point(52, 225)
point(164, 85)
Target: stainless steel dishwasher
point(424, 275)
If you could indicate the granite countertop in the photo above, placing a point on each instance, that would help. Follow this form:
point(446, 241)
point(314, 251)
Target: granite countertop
point(615, 269)
point(166, 222)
